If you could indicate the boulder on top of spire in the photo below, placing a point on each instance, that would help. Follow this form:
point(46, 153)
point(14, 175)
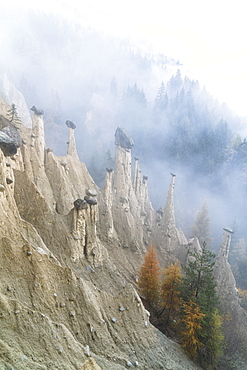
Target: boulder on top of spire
point(39, 112)
point(123, 139)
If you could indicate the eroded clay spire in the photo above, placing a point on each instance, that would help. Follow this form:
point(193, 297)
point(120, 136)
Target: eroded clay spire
point(122, 181)
point(226, 284)
point(168, 218)
point(38, 136)
point(108, 224)
point(137, 177)
point(225, 243)
point(71, 150)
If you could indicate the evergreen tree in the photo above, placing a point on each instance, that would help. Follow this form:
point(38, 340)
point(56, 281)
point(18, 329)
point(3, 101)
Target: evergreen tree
point(221, 142)
point(198, 282)
point(135, 97)
point(149, 274)
point(160, 105)
point(212, 351)
point(175, 85)
point(133, 109)
point(13, 116)
point(201, 226)
point(161, 95)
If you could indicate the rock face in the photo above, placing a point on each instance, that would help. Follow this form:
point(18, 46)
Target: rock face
point(226, 284)
point(69, 256)
point(90, 365)
point(11, 95)
point(13, 134)
point(71, 150)
point(170, 241)
point(235, 327)
point(7, 144)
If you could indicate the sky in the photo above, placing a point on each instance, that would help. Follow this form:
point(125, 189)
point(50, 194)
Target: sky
point(207, 37)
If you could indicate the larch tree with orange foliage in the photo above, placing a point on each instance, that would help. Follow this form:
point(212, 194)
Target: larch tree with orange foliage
point(149, 278)
point(192, 323)
point(170, 292)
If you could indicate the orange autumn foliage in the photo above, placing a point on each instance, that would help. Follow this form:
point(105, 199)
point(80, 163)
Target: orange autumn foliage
point(148, 283)
point(170, 289)
point(192, 324)
point(242, 293)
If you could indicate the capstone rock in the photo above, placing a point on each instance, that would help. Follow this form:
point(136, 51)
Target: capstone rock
point(39, 112)
point(91, 192)
point(90, 200)
point(80, 204)
point(123, 139)
point(70, 124)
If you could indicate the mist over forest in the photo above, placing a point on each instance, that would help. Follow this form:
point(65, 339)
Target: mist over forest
point(100, 83)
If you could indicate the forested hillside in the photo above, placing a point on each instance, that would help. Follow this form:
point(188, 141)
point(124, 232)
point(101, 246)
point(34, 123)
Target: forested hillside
point(101, 83)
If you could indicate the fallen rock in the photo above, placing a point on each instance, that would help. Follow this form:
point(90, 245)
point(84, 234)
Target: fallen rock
point(9, 181)
point(13, 134)
point(87, 351)
point(7, 144)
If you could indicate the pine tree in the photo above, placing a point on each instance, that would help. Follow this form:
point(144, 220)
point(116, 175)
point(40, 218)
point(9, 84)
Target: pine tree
point(160, 105)
point(161, 99)
point(211, 352)
point(198, 280)
point(135, 97)
point(175, 85)
point(192, 323)
point(13, 116)
point(148, 283)
point(170, 293)
point(201, 227)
